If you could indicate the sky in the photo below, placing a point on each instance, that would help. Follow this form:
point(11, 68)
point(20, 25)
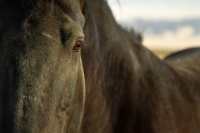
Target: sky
point(156, 10)
point(172, 9)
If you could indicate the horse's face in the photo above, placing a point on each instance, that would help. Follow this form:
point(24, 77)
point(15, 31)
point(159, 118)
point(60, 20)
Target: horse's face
point(47, 69)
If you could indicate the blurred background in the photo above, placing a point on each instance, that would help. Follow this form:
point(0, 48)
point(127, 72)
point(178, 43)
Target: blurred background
point(166, 25)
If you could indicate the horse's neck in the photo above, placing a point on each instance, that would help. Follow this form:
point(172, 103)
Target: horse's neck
point(135, 81)
point(122, 84)
point(118, 75)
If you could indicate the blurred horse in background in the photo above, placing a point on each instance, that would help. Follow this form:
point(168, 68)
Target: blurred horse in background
point(183, 53)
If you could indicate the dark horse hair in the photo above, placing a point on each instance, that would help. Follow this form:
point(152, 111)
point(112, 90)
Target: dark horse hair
point(129, 89)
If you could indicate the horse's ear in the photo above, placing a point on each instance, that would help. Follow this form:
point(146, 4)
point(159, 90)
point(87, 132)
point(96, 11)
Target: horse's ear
point(82, 3)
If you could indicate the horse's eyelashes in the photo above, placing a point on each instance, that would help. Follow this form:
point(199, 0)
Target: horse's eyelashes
point(64, 36)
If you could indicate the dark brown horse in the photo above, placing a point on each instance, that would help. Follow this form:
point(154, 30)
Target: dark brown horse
point(41, 75)
point(182, 54)
point(129, 89)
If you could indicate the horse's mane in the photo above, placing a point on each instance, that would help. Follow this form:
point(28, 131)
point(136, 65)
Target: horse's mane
point(104, 21)
point(112, 62)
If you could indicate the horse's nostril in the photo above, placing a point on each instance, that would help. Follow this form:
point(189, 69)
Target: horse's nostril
point(78, 44)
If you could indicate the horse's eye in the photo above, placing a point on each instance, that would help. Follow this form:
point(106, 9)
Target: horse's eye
point(78, 44)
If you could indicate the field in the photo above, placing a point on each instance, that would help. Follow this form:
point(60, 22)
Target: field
point(162, 53)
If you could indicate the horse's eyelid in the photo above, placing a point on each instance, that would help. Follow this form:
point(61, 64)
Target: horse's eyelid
point(64, 36)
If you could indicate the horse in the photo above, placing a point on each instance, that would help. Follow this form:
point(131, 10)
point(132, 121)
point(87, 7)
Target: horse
point(182, 53)
point(118, 86)
point(42, 85)
point(128, 88)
